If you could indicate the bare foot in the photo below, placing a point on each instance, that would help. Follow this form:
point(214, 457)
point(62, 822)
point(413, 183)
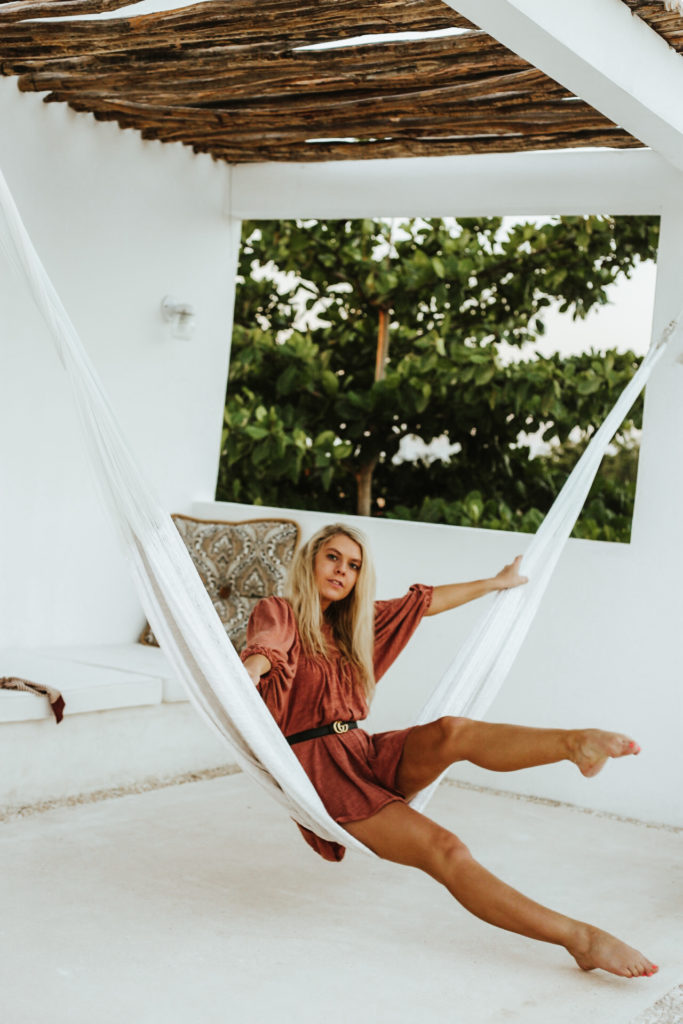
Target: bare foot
point(595, 948)
point(590, 748)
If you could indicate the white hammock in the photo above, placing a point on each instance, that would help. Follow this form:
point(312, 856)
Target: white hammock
point(185, 621)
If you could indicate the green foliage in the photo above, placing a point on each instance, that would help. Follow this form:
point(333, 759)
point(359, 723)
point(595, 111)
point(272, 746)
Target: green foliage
point(606, 516)
point(305, 416)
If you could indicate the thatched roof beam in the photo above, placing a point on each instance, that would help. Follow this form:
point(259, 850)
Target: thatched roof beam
point(389, 14)
point(381, 149)
point(465, 126)
point(227, 53)
point(494, 90)
point(271, 74)
point(261, 56)
point(268, 74)
point(350, 88)
point(514, 88)
point(21, 10)
point(412, 95)
point(248, 128)
point(228, 21)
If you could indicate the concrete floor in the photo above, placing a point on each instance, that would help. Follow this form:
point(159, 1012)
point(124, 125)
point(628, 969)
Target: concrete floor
point(200, 904)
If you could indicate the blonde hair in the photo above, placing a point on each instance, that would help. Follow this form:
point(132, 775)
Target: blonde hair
point(352, 619)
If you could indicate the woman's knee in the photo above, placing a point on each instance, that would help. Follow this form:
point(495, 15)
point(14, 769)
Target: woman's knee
point(447, 854)
point(452, 731)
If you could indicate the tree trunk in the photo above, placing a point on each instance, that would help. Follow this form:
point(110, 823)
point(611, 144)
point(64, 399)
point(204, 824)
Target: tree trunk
point(382, 356)
point(364, 488)
point(364, 474)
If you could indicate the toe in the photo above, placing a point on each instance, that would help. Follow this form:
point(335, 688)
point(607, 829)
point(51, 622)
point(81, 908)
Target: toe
point(627, 746)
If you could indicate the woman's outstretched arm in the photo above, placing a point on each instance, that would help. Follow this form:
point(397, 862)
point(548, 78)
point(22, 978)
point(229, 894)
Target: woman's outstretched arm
point(257, 665)
point(453, 594)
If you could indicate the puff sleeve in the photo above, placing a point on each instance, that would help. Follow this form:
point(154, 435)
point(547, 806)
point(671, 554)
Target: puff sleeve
point(272, 632)
point(395, 623)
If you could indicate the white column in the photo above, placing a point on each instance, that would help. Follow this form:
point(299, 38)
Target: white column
point(659, 497)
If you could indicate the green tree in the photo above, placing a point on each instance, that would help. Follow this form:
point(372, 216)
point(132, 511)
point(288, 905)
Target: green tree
point(406, 336)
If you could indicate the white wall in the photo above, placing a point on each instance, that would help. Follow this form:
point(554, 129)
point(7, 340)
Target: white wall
point(119, 223)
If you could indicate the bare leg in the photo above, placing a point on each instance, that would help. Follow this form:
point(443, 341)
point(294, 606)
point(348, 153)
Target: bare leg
point(400, 834)
point(430, 749)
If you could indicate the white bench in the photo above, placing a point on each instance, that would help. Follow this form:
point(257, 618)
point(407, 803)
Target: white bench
point(126, 720)
point(89, 679)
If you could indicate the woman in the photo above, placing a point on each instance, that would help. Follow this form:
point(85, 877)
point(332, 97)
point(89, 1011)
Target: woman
point(315, 657)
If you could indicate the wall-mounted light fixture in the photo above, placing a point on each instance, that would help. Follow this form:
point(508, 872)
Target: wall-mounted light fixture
point(180, 316)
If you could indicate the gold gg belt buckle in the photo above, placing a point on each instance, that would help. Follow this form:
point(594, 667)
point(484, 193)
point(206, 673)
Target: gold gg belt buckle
point(340, 727)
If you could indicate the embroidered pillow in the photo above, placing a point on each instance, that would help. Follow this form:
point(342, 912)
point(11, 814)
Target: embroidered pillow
point(239, 563)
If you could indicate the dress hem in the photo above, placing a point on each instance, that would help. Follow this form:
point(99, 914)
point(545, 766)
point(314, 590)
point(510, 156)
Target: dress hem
point(349, 819)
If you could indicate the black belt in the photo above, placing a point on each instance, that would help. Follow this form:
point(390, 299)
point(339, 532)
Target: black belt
point(325, 730)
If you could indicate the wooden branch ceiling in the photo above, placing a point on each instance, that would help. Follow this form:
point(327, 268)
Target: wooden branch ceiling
point(236, 78)
point(668, 24)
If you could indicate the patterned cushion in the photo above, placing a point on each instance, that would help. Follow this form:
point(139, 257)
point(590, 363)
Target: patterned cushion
point(239, 563)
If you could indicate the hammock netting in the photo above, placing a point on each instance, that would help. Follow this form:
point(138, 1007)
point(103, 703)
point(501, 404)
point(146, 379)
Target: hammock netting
point(185, 621)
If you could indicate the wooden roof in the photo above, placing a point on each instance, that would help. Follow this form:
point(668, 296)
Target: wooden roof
point(668, 24)
point(235, 78)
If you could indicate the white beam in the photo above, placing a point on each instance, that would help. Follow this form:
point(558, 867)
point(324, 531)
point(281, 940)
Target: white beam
point(575, 182)
point(604, 54)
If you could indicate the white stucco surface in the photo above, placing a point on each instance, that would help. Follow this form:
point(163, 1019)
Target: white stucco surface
point(497, 184)
point(120, 223)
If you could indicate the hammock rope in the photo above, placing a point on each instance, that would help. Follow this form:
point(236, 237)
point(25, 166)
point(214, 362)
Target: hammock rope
point(185, 621)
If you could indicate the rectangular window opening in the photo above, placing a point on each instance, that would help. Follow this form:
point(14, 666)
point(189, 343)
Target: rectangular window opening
point(445, 371)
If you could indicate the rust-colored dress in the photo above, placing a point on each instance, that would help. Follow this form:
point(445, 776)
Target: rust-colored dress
point(354, 773)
